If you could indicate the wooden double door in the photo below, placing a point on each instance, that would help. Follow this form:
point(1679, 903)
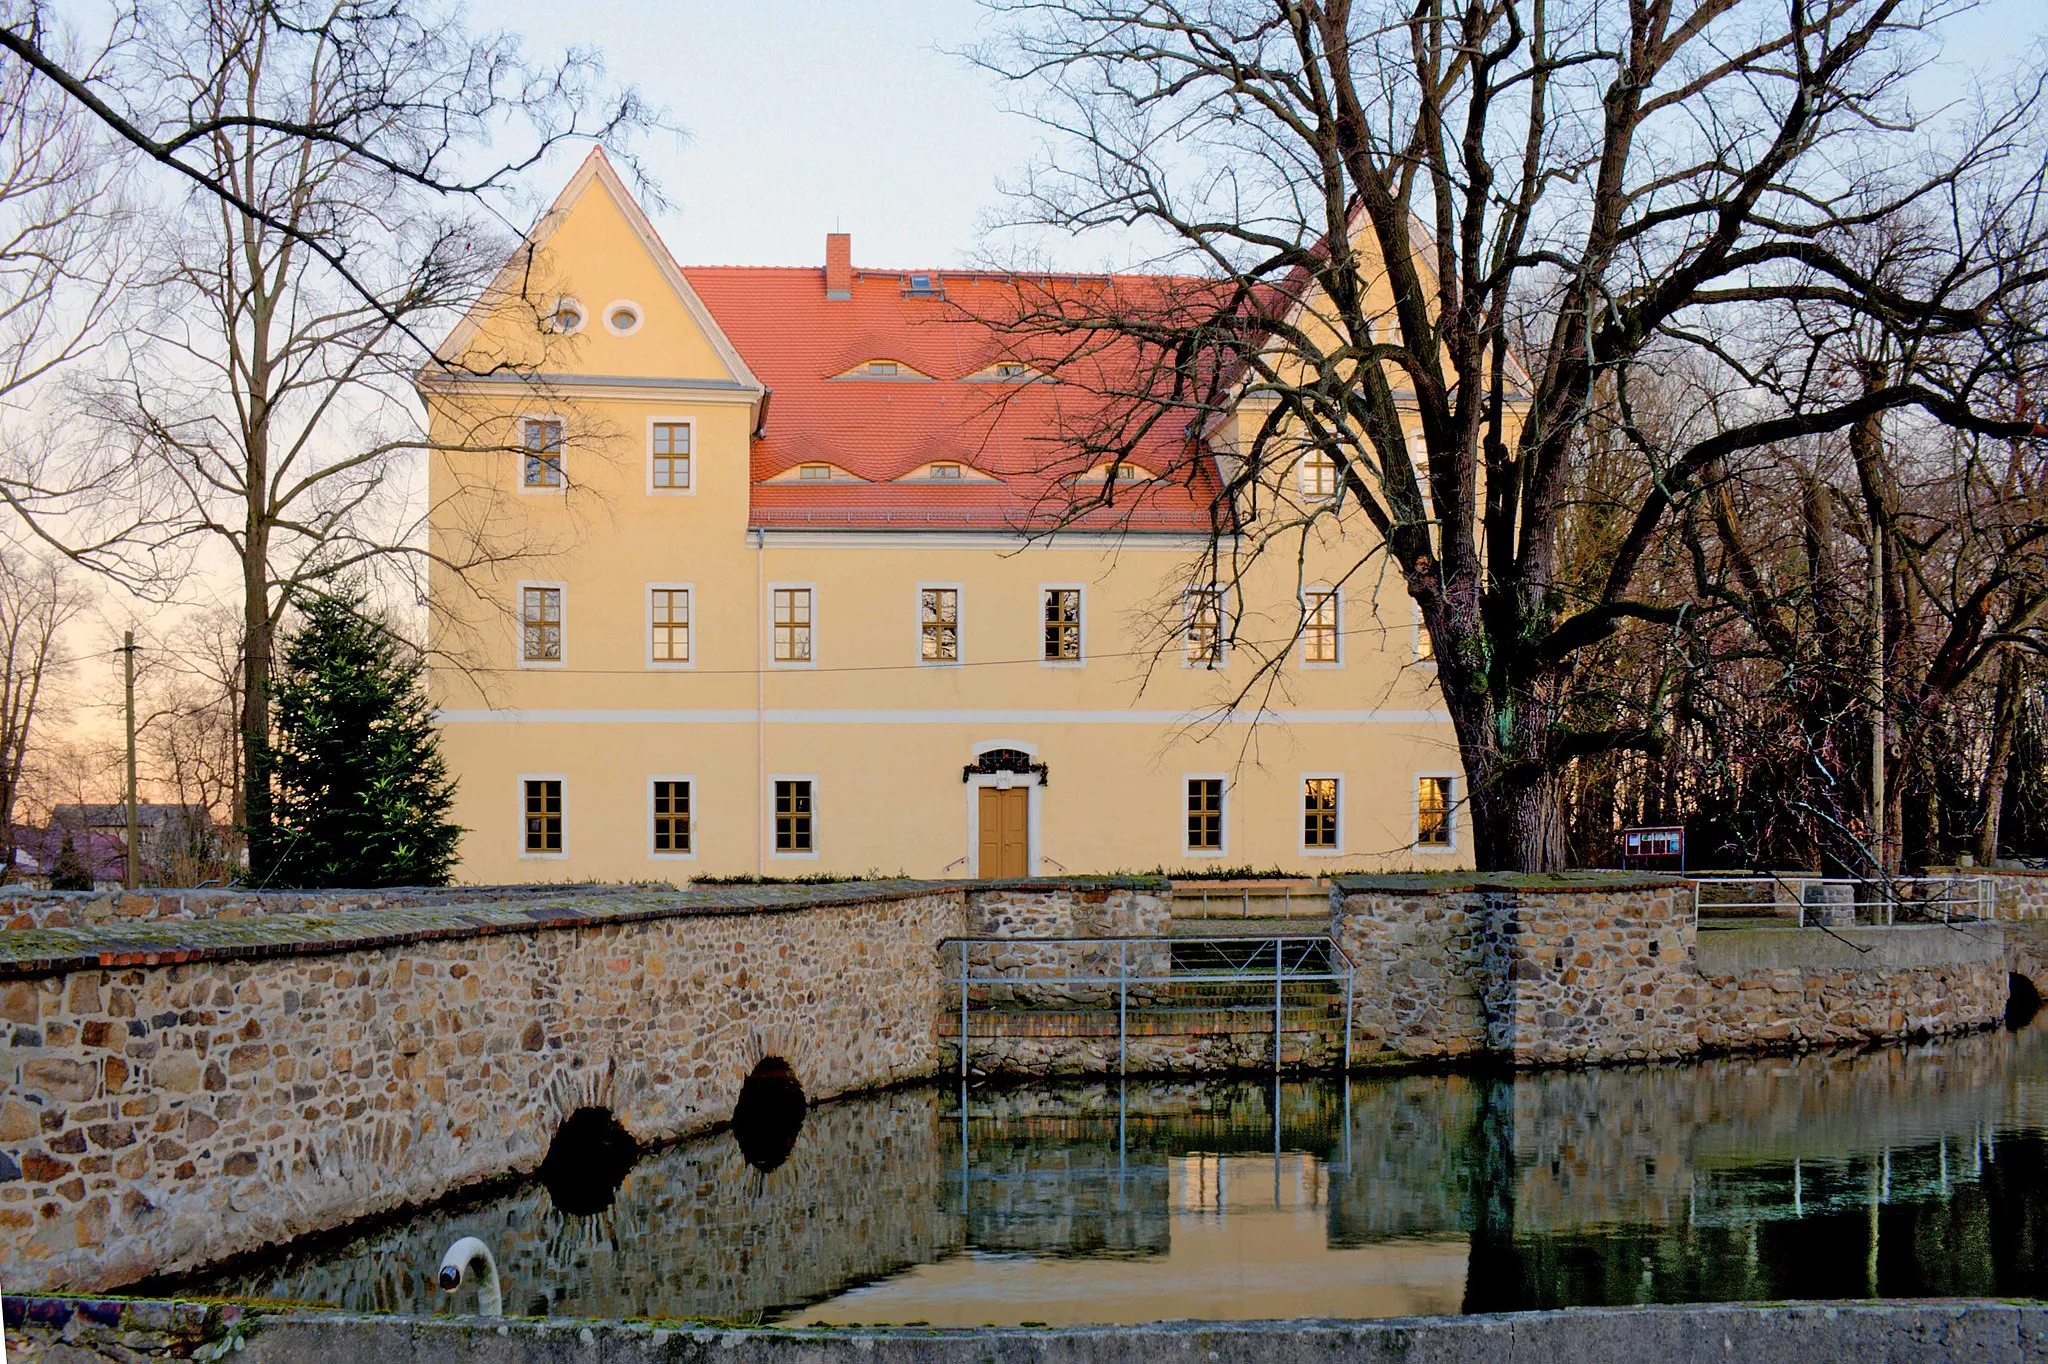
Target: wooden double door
point(1005, 832)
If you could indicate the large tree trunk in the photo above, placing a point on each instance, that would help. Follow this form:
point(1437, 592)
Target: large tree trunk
point(1517, 825)
point(2005, 722)
point(256, 648)
point(1512, 794)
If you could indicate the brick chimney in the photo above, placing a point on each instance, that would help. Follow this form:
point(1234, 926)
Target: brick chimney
point(839, 265)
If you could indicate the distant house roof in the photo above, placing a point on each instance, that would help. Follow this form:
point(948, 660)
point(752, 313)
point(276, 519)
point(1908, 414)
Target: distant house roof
point(37, 850)
point(151, 816)
point(916, 368)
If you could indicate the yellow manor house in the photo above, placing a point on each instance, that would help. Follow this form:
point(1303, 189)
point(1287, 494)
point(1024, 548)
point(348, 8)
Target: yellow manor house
point(760, 571)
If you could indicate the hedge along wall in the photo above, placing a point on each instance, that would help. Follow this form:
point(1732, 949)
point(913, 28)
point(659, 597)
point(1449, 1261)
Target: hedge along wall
point(178, 1092)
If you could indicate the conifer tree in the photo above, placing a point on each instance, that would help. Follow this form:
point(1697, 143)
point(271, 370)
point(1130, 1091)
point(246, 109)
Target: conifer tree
point(360, 793)
point(70, 871)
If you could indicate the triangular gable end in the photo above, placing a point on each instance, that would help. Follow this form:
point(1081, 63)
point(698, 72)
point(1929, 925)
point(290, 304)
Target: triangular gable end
point(596, 167)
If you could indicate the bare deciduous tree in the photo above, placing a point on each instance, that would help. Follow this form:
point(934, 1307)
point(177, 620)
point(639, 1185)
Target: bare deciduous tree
point(1491, 224)
point(37, 600)
point(263, 423)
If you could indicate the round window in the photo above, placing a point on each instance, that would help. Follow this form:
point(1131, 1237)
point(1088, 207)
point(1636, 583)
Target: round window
point(568, 317)
point(622, 319)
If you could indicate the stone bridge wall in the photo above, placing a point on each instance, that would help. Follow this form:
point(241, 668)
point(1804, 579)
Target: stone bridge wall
point(2022, 894)
point(1535, 969)
point(1572, 969)
point(1812, 987)
point(176, 1092)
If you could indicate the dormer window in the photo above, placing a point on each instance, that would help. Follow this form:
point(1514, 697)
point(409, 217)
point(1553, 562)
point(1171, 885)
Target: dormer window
point(1120, 472)
point(1004, 372)
point(811, 472)
point(897, 371)
point(946, 471)
point(923, 286)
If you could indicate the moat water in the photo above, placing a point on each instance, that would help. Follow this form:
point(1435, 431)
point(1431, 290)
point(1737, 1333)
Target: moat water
point(1911, 1171)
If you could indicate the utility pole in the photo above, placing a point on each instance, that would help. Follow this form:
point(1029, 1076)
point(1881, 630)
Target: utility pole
point(128, 878)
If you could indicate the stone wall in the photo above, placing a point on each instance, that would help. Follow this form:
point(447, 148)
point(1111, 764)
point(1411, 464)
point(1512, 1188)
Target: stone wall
point(1021, 911)
point(1537, 970)
point(1576, 969)
point(2021, 893)
point(181, 1089)
point(175, 1092)
point(1808, 987)
point(1998, 1332)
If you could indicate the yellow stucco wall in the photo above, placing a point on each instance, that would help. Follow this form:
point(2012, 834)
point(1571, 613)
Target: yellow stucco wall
point(883, 736)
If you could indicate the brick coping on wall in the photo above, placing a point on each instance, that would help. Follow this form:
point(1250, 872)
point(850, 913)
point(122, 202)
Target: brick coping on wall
point(56, 951)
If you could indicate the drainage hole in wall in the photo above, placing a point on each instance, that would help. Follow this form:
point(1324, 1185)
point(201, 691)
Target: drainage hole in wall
point(769, 1115)
point(587, 1161)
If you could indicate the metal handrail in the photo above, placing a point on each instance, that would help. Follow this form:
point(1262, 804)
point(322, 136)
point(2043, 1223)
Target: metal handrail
point(1249, 970)
point(1892, 895)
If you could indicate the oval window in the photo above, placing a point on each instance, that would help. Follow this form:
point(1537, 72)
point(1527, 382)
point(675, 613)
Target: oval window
point(567, 318)
point(622, 319)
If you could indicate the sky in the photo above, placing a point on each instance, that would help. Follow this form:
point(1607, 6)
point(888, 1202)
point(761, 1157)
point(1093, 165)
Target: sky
point(804, 117)
point(808, 116)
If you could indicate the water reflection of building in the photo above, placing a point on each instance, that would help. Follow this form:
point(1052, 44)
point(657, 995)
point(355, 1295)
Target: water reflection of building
point(1237, 1235)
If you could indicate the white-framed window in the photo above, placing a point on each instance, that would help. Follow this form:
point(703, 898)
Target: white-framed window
point(793, 625)
point(622, 317)
point(938, 622)
point(1203, 627)
point(1436, 812)
point(543, 815)
point(814, 473)
point(671, 625)
point(945, 471)
point(540, 454)
point(1425, 645)
point(671, 816)
point(1205, 805)
point(1418, 459)
point(1322, 814)
point(543, 625)
point(566, 318)
point(1316, 476)
point(793, 817)
point(1063, 624)
point(1322, 627)
point(671, 455)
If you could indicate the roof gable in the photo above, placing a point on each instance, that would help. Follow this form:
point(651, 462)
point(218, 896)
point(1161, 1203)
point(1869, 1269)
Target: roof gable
point(595, 246)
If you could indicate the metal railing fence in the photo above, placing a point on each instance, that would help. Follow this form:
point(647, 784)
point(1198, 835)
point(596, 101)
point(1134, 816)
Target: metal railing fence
point(1071, 972)
point(1843, 902)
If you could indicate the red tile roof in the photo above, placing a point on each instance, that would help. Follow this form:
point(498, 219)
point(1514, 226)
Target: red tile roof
point(1023, 434)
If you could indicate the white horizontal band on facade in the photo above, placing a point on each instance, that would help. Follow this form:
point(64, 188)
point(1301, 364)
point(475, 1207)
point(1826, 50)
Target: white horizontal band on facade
point(942, 717)
point(953, 537)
